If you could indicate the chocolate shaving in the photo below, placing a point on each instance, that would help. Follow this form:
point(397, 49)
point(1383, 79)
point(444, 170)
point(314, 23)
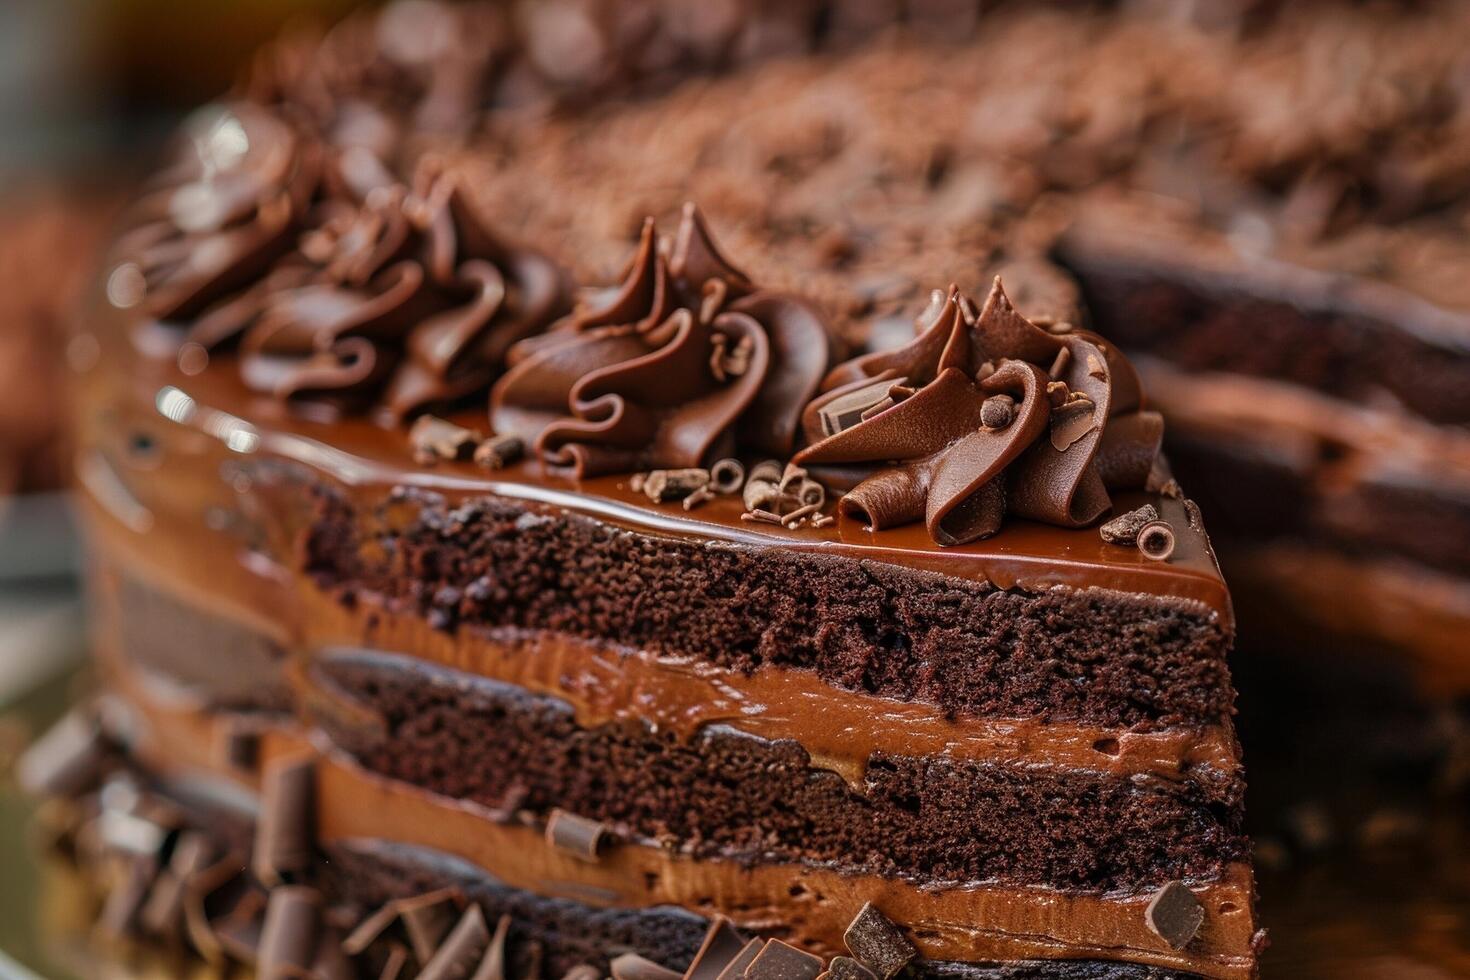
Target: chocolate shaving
point(1095, 367)
point(288, 940)
point(1073, 420)
point(67, 760)
point(492, 966)
point(727, 476)
point(498, 452)
point(1123, 530)
point(369, 929)
point(631, 966)
point(997, 411)
point(285, 833)
point(782, 961)
point(574, 835)
point(879, 944)
point(763, 487)
point(848, 409)
point(738, 964)
point(665, 485)
point(847, 968)
point(823, 520)
point(163, 913)
point(1175, 915)
point(1156, 540)
point(1196, 519)
point(433, 438)
point(427, 919)
point(462, 950)
point(721, 945)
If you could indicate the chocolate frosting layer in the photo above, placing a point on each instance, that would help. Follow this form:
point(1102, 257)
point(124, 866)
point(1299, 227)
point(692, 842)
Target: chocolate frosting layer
point(669, 368)
point(981, 415)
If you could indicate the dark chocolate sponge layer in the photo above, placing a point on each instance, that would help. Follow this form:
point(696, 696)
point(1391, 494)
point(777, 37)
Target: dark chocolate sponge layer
point(1093, 656)
point(926, 819)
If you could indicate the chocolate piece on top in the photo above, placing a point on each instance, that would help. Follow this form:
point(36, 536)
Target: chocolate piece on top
point(1124, 528)
point(288, 940)
point(631, 966)
point(577, 836)
point(879, 944)
point(285, 834)
point(1156, 540)
point(461, 950)
point(781, 961)
point(721, 945)
point(1175, 915)
point(427, 919)
point(735, 969)
point(847, 968)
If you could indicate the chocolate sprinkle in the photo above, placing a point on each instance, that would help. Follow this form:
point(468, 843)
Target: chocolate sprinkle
point(577, 836)
point(1123, 530)
point(879, 944)
point(1156, 540)
point(722, 943)
point(284, 835)
point(847, 968)
point(1175, 915)
point(461, 950)
point(631, 966)
point(288, 940)
point(782, 961)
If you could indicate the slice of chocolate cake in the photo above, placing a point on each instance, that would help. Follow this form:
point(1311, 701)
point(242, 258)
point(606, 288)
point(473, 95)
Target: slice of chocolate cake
point(494, 576)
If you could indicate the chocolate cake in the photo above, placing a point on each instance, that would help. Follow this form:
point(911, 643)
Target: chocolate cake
point(602, 489)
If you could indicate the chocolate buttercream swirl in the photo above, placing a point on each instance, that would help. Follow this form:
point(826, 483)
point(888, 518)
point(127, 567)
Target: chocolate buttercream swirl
point(677, 365)
point(229, 206)
point(910, 432)
point(404, 296)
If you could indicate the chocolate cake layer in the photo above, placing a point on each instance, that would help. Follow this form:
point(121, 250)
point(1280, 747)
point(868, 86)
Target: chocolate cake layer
point(922, 819)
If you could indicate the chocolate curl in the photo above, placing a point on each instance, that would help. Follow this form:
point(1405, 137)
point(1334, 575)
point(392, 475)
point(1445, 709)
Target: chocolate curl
point(462, 948)
point(1060, 485)
point(285, 835)
point(288, 941)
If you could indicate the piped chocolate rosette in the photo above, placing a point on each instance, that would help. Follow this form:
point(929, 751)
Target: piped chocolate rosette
point(672, 368)
point(982, 415)
point(395, 295)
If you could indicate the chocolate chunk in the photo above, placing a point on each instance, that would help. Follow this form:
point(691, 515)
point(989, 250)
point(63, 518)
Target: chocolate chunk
point(781, 961)
point(67, 760)
point(286, 831)
point(1174, 914)
point(577, 836)
point(1156, 540)
point(288, 940)
point(462, 950)
point(427, 919)
point(631, 966)
point(433, 438)
point(722, 943)
point(879, 944)
point(492, 965)
point(727, 476)
point(846, 411)
point(665, 485)
point(1124, 529)
point(847, 968)
point(498, 452)
point(997, 411)
point(737, 966)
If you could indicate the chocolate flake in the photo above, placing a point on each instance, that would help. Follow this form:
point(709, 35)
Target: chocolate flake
point(1123, 530)
point(847, 410)
point(735, 969)
point(1196, 519)
point(369, 929)
point(782, 961)
point(1095, 367)
point(727, 476)
point(879, 944)
point(665, 485)
point(631, 966)
point(722, 943)
point(847, 968)
point(427, 919)
point(285, 832)
point(433, 438)
point(67, 760)
point(288, 940)
point(1156, 540)
point(498, 452)
point(1175, 915)
point(577, 836)
point(997, 411)
point(1071, 422)
point(461, 950)
point(492, 966)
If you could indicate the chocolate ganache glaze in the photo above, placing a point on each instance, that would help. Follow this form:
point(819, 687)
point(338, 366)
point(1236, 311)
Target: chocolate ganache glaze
point(671, 368)
point(981, 415)
point(339, 283)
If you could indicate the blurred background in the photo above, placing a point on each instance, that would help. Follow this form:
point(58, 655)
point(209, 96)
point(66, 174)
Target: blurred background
point(1362, 851)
